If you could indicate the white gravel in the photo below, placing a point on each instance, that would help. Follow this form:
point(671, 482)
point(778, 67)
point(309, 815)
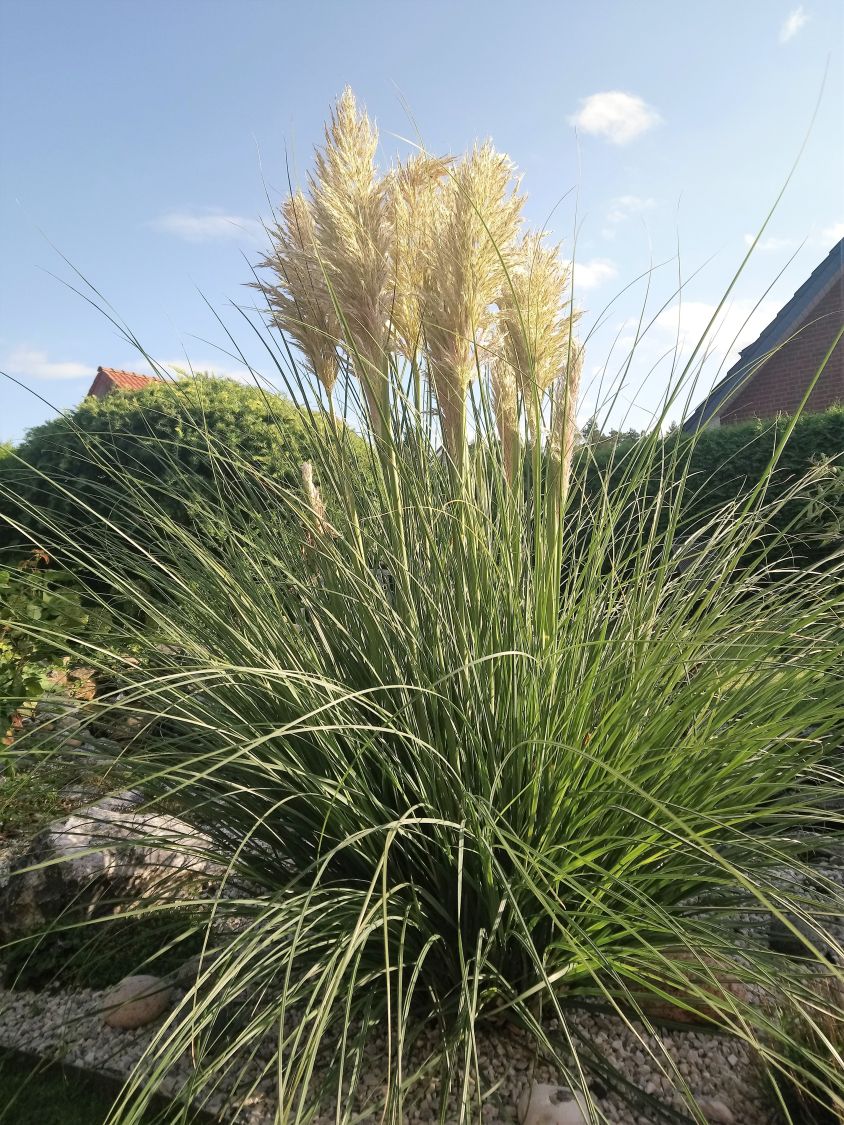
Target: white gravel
point(717, 1070)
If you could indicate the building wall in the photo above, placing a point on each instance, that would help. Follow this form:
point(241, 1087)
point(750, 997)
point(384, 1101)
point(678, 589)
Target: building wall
point(780, 384)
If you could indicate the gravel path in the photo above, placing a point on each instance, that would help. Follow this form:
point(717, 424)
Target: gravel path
point(718, 1071)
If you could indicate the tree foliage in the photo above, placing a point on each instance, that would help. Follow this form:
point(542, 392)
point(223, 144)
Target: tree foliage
point(34, 606)
point(181, 444)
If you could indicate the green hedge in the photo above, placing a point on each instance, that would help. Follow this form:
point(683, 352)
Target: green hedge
point(725, 462)
point(182, 447)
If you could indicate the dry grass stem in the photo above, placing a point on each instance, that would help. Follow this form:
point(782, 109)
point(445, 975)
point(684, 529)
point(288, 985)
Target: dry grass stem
point(300, 302)
point(537, 318)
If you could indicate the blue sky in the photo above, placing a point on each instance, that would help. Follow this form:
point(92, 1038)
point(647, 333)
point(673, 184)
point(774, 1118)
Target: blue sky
point(139, 139)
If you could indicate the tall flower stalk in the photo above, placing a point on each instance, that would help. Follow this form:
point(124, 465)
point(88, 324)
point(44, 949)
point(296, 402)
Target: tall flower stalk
point(476, 220)
point(351, 221)
point(299, 297)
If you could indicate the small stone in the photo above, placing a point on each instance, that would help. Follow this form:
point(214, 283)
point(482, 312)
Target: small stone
point(713, 1109)
point(135, 1002)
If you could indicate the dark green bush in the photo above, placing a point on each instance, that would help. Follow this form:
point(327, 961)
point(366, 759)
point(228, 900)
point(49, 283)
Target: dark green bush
point(183, 445)
point(98, 956)
point(726, 462)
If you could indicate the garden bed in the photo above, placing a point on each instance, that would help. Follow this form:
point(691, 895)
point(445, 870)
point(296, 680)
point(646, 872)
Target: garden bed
point(717, 1069)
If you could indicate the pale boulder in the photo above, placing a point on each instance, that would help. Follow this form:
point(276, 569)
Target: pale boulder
point(135, 1002)
point(544, 1103)
point(94, 862)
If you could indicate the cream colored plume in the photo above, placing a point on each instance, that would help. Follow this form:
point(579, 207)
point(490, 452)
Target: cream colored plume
point(314, 499)
point(505, 403)
point(563, 421)
point(350, 208)
point(536, 318)
point(413, 188)
point(300, 302)
point(475, 222)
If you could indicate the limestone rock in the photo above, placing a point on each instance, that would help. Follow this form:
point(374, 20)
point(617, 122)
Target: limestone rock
point(136, 1001)
point(783, 939)
point(94, 861)
point(544, 1103)
point(713, 1109)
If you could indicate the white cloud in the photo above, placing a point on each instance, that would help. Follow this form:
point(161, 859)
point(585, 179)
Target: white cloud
point(591, 274)
point(625, 206)
point(770, 243)
point(833, 234)
point(736, 326)
point(209, 226)
point(615, 115)
point(29, 363)
point(794, 22)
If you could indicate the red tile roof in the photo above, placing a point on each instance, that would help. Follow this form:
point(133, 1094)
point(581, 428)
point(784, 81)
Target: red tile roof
point(109, 379)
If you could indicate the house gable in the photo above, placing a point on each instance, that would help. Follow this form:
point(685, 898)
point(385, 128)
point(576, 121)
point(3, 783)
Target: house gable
point(774, 372)
point(109, 379)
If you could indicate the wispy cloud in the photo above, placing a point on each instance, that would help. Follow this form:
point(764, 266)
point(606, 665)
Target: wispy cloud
point(736, 325)
point(824, 238)
point(206, 226)
point(771, 242)
point(615, 115)
point(30, 363)
point(591, 274)
point(624, 207)
point(794, 22)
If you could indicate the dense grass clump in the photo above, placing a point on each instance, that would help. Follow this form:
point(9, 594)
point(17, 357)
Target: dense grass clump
point(470, 752)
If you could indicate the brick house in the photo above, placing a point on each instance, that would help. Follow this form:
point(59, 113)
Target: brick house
point(108, 379)
point(773, 373)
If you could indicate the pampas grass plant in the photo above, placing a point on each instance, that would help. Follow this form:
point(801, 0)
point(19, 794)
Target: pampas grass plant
point(480, 753)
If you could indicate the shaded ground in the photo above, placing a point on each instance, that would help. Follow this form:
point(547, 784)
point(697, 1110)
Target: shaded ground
point(49, 1096)
point(55, 1095)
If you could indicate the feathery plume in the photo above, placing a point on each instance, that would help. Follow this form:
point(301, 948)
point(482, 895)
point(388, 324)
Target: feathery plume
point(505, 401)
point(353, 232)
point(412, 188)
point(475, 221)
point(536, 318)
point(300, 302)
point(314, 499)
point(563, 428)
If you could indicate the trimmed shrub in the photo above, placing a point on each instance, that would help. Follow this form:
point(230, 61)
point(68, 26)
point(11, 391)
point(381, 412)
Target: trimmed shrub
point(182, 446)
point(724, 465)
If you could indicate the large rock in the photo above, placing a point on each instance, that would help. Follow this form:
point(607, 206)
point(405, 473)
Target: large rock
point(544, 1103)
point(136, 1001)
point(95, 861)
